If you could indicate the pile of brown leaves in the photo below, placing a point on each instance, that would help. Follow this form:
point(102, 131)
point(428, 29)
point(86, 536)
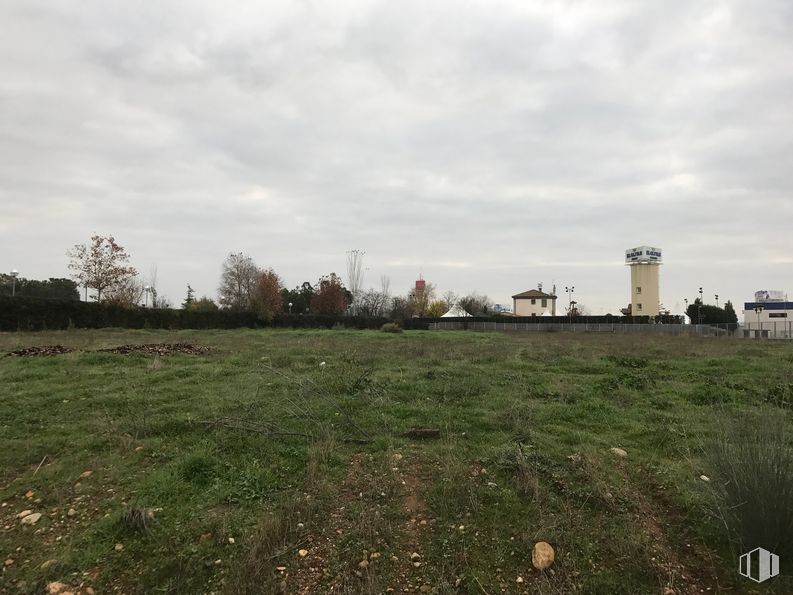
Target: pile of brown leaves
point(40, 351)
point(160, 349)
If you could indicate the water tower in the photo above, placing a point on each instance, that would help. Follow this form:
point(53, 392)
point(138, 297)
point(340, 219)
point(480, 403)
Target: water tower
point(645, 262)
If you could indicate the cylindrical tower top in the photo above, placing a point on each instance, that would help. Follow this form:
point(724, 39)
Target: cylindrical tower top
point(643, 254)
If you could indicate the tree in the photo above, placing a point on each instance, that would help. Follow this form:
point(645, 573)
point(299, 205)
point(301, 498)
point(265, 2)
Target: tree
point(401, 308)
point(299, 297)
point(476, 305)
point(205, 304)
point(449, 299)
point(372, 303)
point(51, 289)
point(156, 300)
point(436, 309)
point(189, 298)
point(355, 276)
point(330, 297)
point(127, 293)
point(267, 300)
point(101, 265)
point(700, 313)
point(423, 299)
point(238, 282)
point(729, 311)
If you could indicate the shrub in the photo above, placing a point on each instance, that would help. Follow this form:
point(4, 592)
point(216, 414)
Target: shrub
point(391, 327)
point(752, 464)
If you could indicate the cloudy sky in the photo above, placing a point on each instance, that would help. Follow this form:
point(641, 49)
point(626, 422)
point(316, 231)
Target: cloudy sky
point(486, 145)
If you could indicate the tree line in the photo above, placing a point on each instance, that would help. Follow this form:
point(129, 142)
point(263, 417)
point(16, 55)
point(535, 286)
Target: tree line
point(103, 266)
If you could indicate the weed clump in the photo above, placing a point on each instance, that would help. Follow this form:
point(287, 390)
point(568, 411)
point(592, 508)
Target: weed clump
point(391, 327)
point(752, 464)
point(137, 519)
point(626, 361)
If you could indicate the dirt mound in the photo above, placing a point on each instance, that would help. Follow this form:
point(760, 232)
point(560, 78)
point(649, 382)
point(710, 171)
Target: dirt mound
point(40, 351)
point(159, 349)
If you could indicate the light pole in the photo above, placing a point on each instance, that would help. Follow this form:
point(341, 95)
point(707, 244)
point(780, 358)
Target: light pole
point(146, 290)
point(14, 275)
point(699, 308)
point(717, 300)
point(569, 291)
point(290, 307)
point(758, 308)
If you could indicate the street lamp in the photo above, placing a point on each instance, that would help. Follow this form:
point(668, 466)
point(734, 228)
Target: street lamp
point(758, 308)
point(146, 291)
point(569, 291)
point(699, 308)
point(290, 307)
point(14, 275)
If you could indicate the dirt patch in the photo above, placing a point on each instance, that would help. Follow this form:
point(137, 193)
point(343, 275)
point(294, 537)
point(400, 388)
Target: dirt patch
point(40, 351)
point(313, 567)
point(411, 562)
point(684, 572)
point(159, 349)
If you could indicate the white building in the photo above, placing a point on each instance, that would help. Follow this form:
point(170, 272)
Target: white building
point(769, 315)
point(533, 303)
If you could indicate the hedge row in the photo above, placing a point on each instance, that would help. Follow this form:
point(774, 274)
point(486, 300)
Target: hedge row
point(35, 314)
point(32, 314)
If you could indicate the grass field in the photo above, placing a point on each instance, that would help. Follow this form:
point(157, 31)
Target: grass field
point(209, 473)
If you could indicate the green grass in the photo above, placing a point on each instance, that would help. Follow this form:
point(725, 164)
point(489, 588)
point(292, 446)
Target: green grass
point(526, 423)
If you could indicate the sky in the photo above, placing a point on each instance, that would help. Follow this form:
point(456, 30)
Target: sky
point(487, 146)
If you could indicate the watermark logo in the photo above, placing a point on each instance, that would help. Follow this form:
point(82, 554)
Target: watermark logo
point(759, 565)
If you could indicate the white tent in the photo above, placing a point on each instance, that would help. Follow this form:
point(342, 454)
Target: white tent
point(456, 312)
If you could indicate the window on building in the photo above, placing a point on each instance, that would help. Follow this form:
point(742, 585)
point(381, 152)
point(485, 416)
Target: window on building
point(638, 306)
point(638, 290)
point(777, 315)
point(544, 302)
point(533, 314)
point(533, 301)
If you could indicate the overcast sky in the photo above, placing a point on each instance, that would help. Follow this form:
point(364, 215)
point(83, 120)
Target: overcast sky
point(486, 145)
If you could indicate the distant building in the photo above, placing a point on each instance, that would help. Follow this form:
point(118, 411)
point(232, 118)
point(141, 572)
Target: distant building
point(533, 302)
point(420, 290)
point(769, 315)
point(645, 262)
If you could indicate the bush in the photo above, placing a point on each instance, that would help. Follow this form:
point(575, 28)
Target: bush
point(391, 327)
point(752, 464)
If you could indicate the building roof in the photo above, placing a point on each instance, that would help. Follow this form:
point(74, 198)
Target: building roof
point(456, 311)
point(533, 293)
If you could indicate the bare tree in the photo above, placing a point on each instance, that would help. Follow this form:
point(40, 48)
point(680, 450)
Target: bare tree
point(151, 283)
point(128, 292)
point(372, 303)
point(476, 305)
point(385, 285)
point(449, 299)
point(355, 276)
point(238, 282)
point(101, 265)
point(401, 308)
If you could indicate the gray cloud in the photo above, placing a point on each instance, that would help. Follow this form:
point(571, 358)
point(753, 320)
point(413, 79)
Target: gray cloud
point(488, 146)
